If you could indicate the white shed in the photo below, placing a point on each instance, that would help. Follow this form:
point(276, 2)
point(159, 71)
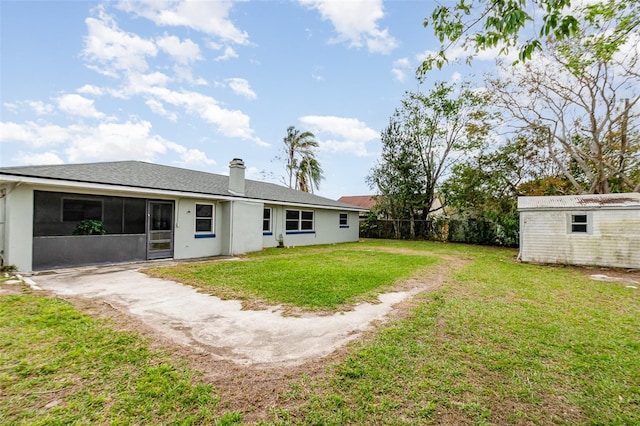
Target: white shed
point(594, 229)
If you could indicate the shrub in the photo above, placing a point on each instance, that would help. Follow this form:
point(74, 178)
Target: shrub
point(90, 227)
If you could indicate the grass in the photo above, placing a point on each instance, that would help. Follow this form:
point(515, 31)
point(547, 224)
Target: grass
point(309, 278)
point(501, 343)
point(58, 366)
point(498, 343)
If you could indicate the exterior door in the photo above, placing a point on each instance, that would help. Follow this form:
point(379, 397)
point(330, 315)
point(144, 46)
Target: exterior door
point(160, 229)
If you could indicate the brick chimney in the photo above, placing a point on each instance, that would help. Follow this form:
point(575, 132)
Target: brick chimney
point(236, 176)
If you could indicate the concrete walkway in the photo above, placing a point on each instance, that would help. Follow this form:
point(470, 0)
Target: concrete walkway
point(264, 338)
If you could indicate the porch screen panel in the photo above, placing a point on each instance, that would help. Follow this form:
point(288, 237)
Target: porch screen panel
point(135, 214)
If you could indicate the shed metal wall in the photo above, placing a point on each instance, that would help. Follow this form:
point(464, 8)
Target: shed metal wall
point(613, 240)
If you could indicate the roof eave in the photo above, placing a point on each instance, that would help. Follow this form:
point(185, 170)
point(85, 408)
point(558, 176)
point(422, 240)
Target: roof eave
point(4, 177)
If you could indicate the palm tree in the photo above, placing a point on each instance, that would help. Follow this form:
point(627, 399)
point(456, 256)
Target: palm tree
point(301, 161)
point(309, 174)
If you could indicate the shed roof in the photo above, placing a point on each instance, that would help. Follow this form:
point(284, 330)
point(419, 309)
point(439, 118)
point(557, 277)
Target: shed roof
point(585, 201)
point(139, 174)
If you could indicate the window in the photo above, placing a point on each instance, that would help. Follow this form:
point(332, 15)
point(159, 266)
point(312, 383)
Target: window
point(266, 221)
point(579, 223)
point(344, 220)
point(299, 221)
point(77, 209)
point(204, 218)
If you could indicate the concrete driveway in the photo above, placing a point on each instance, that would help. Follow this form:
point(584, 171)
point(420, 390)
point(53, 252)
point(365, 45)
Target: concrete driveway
point(207, 323)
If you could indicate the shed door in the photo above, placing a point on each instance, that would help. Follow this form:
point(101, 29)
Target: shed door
point(160, 229)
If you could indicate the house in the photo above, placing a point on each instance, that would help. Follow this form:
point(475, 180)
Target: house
point(367, 202)
point(152, 211)
point(595, 229)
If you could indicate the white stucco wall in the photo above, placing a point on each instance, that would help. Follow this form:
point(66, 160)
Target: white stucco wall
point(246, 227)
point(613, 238)
point(18, 232)
point(237, 224)
point(327, 228)
point(189, 244)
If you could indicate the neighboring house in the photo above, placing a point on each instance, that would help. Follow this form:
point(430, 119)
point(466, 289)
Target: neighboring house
point(368, 202)
point(601, 230)
point(155, 212)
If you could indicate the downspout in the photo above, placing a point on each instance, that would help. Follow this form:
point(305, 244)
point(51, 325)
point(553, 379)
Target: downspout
point(3, 194)
point(231, 227)
point(177, 221)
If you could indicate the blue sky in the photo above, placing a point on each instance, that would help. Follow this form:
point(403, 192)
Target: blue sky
point(196, 83)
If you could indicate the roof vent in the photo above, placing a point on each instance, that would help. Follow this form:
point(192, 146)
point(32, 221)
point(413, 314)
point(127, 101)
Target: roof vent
point(236, 176)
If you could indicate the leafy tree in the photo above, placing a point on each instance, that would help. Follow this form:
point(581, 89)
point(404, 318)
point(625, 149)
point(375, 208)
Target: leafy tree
point(484, 188)
point(478, 25)
point(425, 135)
point(303, 169)
point(585, 103)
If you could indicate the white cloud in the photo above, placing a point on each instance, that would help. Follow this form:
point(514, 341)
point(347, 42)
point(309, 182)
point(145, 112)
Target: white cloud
point(183, 52)
point(158, 108)
point(115, 141)
point(317, 73)
point(40, 107)
point(458, 53)
point(104, 142)
point(89, 89)
point(210, 17)
point(33, 134)
point(381, 42)
point(345, 134)
point(356, 22)
point(35, 159)
point(140, 83)
point(400, 68)
point(78, 105)
point(11, 106)
point(241, 87)
point(191, 156)
point(231, 123)
point(629, 52)
point(113, 48)
point(229, 53)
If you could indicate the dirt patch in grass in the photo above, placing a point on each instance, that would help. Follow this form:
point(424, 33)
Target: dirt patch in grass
point(624, 274)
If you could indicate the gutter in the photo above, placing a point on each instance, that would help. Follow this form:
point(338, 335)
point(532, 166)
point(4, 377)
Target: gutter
point(163, 192)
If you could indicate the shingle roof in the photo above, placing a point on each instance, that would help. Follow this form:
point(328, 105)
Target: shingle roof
point(364, 201)
point(139, 174)
point(587, 201)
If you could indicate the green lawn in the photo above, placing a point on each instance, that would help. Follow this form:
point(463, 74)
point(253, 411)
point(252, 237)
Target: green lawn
point(498, 343)
point(58, 366)
point(501, 343)
point(309, 278)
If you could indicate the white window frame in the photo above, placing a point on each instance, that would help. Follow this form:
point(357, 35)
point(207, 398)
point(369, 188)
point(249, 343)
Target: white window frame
point(300, 221)
point(210, 218)
point(572, 223)
point(268, 231)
